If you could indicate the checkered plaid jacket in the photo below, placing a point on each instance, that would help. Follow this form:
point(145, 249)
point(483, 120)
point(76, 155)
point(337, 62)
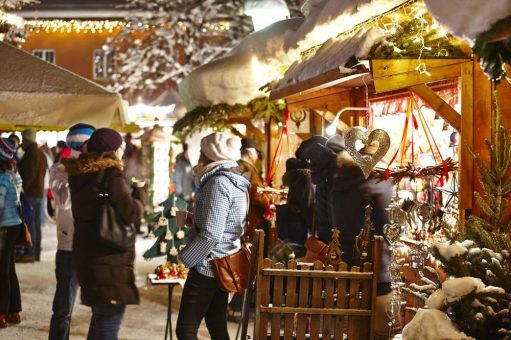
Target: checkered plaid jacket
point(219, 218)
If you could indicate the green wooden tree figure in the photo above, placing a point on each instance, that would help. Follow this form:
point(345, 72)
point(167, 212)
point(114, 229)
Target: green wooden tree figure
point(169, 239)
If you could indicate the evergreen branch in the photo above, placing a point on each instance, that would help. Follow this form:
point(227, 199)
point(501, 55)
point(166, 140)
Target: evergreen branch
point(483, 205)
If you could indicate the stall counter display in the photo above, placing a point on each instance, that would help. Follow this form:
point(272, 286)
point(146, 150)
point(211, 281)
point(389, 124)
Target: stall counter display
point(169, 238)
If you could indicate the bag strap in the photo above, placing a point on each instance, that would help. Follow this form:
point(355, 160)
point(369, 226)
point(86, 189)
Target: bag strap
point(313, 231)
point(13, 181)
point(102, 183)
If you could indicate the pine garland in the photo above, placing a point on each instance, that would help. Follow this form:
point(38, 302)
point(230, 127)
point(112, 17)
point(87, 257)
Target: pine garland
point(216, 115)
point(404, 43)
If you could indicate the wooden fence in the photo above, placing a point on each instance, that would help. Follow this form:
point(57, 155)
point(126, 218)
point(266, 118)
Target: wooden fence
point(305, 301)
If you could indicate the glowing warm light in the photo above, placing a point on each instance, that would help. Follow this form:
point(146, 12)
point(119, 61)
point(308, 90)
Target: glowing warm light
point(266, 12)
point(79, 26)
point(101, 26)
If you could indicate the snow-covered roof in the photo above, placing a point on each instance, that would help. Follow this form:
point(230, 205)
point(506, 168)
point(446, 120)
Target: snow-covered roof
point(262, 56)
point(332, 55)
point(34, 92)
point(468, 18)
point(325, 19)
point(237, 77)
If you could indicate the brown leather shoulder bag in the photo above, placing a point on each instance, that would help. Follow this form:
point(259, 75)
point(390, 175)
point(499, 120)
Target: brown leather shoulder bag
point(231, 271)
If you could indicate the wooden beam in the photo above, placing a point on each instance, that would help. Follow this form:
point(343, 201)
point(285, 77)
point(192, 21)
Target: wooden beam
point(438, 105)
point(238, 120)
point(390, 67)
point(325, 80)
point(329, 117)
point(255, 131)
point(317, 94)
point(237, 132)
point(390, 75)
point(467, 137)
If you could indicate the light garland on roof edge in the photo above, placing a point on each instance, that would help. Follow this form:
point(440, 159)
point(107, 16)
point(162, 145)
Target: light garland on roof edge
point(104, 26)
point(78, 26)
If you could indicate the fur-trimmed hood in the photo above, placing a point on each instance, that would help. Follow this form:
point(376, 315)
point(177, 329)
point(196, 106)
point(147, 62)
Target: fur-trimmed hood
point(91, 162)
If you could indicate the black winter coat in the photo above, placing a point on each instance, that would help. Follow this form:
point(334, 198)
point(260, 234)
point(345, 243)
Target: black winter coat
point(106, 275)
point(348, 197)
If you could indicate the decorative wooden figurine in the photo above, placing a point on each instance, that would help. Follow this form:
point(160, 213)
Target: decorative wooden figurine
point(334, 248)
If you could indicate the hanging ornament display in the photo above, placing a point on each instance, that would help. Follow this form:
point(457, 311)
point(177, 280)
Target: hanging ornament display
point(366, 162)
point(363, 239)
point(392, 232)
point(162, 222)
point(413, 120)
point(163, 247)
point(180, 234)
point(167, 235)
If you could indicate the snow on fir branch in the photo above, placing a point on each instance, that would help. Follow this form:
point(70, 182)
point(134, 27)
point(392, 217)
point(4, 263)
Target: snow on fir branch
point(476, 297)
point(16, 4)
point(165, 40)
point(12, 26)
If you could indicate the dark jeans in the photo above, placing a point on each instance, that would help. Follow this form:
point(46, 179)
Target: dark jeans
point(10, 297)
point(34, 224)
point(202, 298)
point(65, 296)
point(105, 322)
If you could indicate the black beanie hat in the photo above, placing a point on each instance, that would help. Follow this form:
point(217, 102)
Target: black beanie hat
point(103, 140)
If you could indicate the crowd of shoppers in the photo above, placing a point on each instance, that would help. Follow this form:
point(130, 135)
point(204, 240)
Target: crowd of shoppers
point(87, 157)
point(326, 189)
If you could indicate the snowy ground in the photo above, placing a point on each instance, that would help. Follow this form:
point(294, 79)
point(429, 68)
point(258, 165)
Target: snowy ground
point(145, 321)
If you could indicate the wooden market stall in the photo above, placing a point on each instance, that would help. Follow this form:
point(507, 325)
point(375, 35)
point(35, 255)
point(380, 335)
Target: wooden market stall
point(321, 94)
point(330, 91)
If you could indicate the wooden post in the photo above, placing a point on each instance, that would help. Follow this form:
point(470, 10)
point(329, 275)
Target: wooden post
point(467, 137)
point(482, 122)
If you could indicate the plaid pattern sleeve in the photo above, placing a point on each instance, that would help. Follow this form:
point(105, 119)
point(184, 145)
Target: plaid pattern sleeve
point(210, 216)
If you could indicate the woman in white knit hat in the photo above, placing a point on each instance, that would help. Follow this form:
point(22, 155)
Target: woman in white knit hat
point(219, 221)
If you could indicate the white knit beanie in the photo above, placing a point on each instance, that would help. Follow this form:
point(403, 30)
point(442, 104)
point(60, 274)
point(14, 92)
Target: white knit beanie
point(220, 146)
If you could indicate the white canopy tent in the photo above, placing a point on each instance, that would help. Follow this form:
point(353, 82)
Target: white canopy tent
point(38, 94)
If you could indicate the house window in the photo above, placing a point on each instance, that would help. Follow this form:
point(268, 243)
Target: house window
point(46, 55)
point(103, 64)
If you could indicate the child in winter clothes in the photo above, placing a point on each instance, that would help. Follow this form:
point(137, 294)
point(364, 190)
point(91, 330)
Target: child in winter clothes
point(10, 226)
point(67, 283)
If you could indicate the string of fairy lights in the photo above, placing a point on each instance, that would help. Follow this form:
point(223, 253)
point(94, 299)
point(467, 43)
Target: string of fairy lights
point(106, 26)
point(389, 22)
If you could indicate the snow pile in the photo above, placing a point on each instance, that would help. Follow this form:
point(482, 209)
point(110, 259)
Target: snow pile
point(325, 19)
point(261, 56)
point(436, 300)
point(432, 324)
point(449, 251)
point(238, 77)
point(456, 289)
point(330, 56)
point(468, 18)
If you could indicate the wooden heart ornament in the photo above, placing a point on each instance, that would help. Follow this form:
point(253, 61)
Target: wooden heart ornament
point(367, 162)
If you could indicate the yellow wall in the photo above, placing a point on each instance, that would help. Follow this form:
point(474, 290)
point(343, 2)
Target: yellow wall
point(73, 51)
